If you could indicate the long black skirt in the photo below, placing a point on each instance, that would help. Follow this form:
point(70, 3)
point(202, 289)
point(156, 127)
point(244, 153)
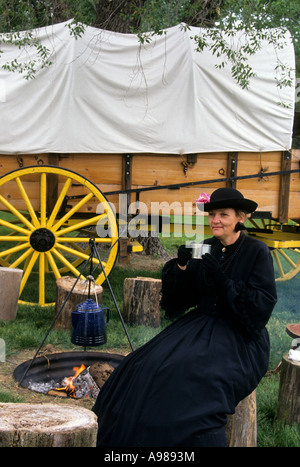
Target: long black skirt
point(177, 389)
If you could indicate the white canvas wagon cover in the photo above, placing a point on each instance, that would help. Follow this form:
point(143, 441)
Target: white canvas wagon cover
point(106, 92)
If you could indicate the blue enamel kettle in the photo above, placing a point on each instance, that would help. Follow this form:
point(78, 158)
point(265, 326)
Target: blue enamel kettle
point(89, 326)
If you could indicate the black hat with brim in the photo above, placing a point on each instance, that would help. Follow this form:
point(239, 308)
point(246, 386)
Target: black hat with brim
point(229, 198)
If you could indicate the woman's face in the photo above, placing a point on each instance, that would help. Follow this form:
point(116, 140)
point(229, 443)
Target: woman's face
point(222, 223)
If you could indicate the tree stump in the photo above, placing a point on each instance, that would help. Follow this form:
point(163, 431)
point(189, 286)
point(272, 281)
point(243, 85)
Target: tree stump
point(47, 425)
point(141, 298)
point(289, 391)
point(79, 294)
point(241, 428)
point(10, 280)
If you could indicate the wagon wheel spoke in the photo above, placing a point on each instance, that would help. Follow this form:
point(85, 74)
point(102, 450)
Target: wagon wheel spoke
point(66, 262)
point(79, 225)
point(43, 198)
point(80, 254)
point(14, 211)
point(15, 238)
point(75, 208)
point(6, 255)
point(262, 223)
point(79, 241)
point(59, 202)
point(52, 220)
point(43, 239)
point(286, 256)
point(14, 227)
point(29, 267)
point(53, 265)
point(27, 202)
point(287, 263)
point(14, 249)
point(80, 249)
point(42, 279)
point(20, 259)
point(17, 234)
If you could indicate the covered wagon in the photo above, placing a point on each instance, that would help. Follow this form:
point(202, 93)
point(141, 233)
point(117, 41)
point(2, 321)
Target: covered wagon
point(115, 128)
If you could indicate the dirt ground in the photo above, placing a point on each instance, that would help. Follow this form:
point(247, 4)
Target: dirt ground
point(10, 385)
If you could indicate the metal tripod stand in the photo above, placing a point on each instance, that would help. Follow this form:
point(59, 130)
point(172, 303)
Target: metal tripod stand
point(94, 254)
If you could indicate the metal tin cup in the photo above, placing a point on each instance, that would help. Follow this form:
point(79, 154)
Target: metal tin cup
point(199, 249)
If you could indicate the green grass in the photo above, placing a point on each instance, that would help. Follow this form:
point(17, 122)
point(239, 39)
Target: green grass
point(5, 396)
point(270, 431)
point(32, 323)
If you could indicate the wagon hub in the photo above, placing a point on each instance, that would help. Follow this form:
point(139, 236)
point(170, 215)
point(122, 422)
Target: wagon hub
point(42, 239)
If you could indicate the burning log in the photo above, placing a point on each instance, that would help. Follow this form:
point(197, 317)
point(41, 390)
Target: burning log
point(57, 392)
point(85, 383)
point(78, 386)
point(101, 372)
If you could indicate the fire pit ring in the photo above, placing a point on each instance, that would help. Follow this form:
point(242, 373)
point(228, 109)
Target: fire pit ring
point(59, 365)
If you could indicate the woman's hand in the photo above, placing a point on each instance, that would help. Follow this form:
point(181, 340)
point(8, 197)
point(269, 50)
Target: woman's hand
point(213, 267)
point(184, 254)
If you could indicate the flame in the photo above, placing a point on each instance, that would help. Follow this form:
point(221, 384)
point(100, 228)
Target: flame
point(69, 387)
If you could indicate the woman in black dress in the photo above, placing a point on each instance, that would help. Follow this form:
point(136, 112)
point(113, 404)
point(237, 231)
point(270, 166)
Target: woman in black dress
point(176, 390)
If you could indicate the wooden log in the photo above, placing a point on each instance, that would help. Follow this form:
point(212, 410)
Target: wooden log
point(289, 391)
point(141, 298)
point(241, 428)
point(10, 280)
point(78, 295)
point(101, 372)
point(46, 425)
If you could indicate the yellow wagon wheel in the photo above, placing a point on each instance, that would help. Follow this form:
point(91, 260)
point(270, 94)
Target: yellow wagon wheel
point(39, 233)
point(287, 261)
point(284, 242)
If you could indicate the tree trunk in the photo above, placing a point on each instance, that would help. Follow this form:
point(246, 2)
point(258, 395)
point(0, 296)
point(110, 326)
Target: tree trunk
point(289, 391)
point(117, 15)
point(46, 425)
point(79, 294)
point(10, 280)
point(141, 298)
point(241, 428)
point(126, 17)
point(152, 246)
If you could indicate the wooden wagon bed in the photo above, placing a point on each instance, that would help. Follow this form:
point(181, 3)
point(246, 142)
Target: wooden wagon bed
point(143, 175)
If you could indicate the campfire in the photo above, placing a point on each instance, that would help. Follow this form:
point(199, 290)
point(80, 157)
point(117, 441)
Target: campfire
point(75, 374)
point(85, 383)
point(77, 386)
